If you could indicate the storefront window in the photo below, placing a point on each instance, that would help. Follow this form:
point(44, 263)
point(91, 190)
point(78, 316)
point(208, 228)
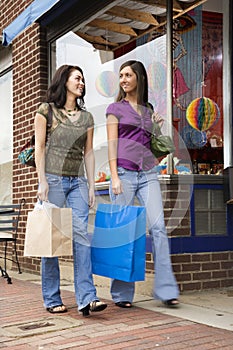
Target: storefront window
point(6, 135)
point(6, 122)
point(197, 78)
point(199, 90)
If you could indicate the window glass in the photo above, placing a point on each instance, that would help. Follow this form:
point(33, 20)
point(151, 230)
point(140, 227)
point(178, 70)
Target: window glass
point(210, 212)
point(101, 71)
point(6, 57)
point(6, 118)
point(197, 120)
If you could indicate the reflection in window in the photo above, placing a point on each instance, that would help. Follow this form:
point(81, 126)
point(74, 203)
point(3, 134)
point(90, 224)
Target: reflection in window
point(197, 61)
point(6, 135)
point(101, 69)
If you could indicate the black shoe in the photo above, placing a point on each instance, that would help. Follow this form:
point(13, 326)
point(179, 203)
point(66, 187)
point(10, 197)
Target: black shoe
point(85, 310)
point(97, 305)
point(171, 303)
point(124, 304)
point(94, 306)
point(58, 309)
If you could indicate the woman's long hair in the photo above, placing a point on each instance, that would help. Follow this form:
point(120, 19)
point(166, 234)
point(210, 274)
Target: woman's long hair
point(57, 90)
point(142, 82)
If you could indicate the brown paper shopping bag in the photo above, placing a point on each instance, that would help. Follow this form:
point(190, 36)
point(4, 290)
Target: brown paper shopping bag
point(48, 232)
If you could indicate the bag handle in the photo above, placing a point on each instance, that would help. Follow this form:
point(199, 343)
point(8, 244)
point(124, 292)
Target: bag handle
point(30, 142)
point(50, 115)
point(156, 130)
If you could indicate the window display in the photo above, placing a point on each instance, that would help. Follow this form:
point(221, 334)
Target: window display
point(116, 36)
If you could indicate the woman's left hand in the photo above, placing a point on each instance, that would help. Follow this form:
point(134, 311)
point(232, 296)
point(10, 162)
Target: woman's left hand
point(156, 117)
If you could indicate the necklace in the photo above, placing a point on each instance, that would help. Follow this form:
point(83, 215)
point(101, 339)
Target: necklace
point(71, 112)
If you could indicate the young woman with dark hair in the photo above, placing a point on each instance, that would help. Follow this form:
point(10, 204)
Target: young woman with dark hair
point(134, 174)
point(64, 153)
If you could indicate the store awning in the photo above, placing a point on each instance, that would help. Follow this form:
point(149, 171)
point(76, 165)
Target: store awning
point(119, 23)
point(26, 18)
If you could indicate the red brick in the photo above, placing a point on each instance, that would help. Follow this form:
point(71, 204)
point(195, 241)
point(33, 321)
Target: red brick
point(220, 256)
point(226, 283)
point(181, 258)
point(191, 267)
point(183, 277)
point(201, 257)
point(227, 265)
point(191, 286)
point(220, 274)
point(210, 266)
point(201, 276)
point(211, 284)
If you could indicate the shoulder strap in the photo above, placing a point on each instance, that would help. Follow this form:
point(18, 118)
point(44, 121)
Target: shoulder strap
point(50, 116)
point(50, 121)
point(150, 107)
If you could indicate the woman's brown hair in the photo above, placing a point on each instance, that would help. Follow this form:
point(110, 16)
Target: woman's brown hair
point(142, 82)
point(57, 90)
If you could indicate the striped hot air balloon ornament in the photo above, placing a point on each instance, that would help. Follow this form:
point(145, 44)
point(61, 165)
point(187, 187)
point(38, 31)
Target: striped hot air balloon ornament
point(202, 113)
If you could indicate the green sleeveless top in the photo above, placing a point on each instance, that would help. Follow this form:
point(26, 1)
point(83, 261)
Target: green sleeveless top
point(65, 142)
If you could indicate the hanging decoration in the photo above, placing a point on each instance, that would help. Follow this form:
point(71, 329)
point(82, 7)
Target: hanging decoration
point(193, 138)
point(198, 138)
point(202, 113)
point(107, 83)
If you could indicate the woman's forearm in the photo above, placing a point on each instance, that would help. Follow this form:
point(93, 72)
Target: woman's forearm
point(112, 156)
point(89, 161)
point(112, 132)
point(40, 162)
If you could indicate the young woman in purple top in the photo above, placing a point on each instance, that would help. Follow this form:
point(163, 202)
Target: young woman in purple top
point(133, 174)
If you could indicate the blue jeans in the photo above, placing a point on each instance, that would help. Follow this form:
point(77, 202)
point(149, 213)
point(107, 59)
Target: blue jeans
point(71, 192)
point(144, 185)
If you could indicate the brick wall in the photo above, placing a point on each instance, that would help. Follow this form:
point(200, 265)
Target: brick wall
point(176, 201)
point(30, 80)
point(10, 9)
point(200, 271)
point(29, 58)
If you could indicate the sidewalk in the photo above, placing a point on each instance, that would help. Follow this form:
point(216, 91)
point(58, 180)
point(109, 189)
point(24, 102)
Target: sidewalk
point(203, 321)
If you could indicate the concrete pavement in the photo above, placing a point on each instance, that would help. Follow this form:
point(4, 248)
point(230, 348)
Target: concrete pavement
point(203, 321)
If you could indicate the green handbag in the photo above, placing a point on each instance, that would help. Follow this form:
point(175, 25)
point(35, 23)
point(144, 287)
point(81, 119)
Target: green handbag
point(161, 145)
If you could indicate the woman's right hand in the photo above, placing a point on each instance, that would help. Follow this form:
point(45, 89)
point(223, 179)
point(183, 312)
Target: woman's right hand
point(117, 186)
point(43, 190)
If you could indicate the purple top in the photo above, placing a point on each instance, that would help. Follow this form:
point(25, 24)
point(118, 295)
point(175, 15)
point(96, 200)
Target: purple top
point(134, 135)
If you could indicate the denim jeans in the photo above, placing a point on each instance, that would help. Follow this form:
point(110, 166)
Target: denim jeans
point(144, 185)
point(71, 192)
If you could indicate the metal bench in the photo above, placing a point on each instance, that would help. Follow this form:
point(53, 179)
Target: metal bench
point(9, 222)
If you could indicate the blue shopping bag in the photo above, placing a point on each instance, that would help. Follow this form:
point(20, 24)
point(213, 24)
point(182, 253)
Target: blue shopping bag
point(119, 242)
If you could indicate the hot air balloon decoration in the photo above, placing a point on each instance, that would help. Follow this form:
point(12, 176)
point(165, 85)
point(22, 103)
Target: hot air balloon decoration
point(202, 113)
